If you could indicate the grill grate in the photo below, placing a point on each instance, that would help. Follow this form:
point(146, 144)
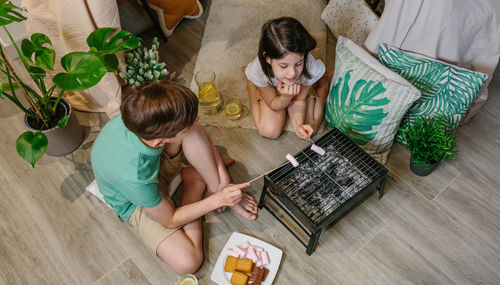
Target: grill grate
point(322, 188)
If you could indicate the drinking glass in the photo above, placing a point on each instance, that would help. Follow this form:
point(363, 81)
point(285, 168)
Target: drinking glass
point(210, 101)
point(232, 108)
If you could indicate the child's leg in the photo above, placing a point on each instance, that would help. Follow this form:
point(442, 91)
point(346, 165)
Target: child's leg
point(183, 250)
point(316, 106)
point(269, 123)
point(202, 155)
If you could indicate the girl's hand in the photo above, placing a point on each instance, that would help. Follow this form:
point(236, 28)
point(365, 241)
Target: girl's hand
point(230, 195)
point(288, 90)
point(304, 131)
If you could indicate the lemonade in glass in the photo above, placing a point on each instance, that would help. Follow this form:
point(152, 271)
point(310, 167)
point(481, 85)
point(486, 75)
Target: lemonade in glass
point(209, 98)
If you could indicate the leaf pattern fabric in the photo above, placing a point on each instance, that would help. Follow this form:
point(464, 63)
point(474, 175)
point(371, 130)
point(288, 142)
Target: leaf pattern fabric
point(447, 90)
point(367, 101)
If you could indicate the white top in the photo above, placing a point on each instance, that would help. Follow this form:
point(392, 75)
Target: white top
point(256, 75)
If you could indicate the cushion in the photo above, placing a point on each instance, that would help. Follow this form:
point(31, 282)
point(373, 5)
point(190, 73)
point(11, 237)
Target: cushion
point(171, 12)
point(367, 101)
point(353, 19)
point(446, 89)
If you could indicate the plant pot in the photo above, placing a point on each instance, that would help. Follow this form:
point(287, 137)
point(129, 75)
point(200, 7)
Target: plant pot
point(422, 169)
point(62, 141)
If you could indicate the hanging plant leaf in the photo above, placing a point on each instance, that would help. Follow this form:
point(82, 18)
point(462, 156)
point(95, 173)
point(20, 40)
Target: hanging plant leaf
point(44, 57)
point(84, 70)
point(110, 62)
point(63, 121)
point(36, 72)
point(8, 13)
point(5, 85)
point(99, 44)
point(31, 146)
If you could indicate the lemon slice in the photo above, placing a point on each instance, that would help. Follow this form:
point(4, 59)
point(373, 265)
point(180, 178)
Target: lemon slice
point(208, 93)
point(232, 109)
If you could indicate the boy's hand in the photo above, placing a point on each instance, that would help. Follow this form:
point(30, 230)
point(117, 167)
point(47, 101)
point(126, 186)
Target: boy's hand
point(231, 194)
point(288, 90)
point(304, 131)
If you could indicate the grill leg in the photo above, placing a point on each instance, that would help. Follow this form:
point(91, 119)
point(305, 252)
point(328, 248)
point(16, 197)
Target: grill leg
point(262, 196)
point(313, 242)
point(380, 188)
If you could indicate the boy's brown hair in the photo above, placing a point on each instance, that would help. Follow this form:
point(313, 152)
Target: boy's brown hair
point(158, 109)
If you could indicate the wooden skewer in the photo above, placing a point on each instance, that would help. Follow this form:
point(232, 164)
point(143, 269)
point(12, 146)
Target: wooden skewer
point(268, 172)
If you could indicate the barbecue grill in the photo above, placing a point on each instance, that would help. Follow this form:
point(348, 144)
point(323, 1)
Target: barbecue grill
point(322, 189)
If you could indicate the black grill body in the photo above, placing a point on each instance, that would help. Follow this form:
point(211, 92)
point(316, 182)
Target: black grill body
point(323, 189)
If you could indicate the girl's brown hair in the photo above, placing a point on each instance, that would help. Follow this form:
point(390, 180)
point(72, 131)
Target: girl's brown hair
point(281, 36)
point(158, 109)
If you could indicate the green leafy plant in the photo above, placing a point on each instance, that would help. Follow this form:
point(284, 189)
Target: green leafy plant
point(429, 140)
point(82, 70)
point(143, 64)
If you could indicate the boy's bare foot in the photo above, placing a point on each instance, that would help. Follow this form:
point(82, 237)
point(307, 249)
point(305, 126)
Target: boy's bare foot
point(246, 208)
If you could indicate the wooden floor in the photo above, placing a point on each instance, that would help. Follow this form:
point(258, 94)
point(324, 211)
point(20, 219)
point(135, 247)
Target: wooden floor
point(441, 229)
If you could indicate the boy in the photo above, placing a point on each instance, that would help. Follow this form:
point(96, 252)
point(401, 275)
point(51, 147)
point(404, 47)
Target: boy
point(158, 122)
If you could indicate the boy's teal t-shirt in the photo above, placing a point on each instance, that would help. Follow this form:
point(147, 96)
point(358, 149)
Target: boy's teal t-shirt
point(126, 170)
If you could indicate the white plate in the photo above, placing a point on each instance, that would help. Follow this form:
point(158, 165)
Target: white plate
point(221, 277)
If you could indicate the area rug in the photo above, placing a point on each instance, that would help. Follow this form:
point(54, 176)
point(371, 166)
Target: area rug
point(231, 39)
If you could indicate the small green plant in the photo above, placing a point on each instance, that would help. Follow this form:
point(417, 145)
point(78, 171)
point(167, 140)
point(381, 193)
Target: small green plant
point(143, 64)
point(82, 70)
point(429, 140)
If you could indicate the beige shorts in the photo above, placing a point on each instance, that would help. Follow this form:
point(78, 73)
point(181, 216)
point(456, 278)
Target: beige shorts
point(152, 232)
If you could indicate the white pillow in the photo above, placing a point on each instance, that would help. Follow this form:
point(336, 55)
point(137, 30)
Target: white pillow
point(353, 19)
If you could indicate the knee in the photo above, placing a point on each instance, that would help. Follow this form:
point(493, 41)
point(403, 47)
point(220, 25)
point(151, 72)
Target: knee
point(189, 263)
point(270, 132)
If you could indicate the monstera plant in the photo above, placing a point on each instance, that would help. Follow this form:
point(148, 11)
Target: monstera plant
point(41, 105)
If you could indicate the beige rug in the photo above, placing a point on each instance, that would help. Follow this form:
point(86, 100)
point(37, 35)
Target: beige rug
point(231, 40)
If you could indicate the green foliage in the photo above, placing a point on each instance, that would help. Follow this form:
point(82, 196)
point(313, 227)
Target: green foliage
point(31, 146)
point(429, 140)
point(143, 64)
point(356, 112)
point(82, 70)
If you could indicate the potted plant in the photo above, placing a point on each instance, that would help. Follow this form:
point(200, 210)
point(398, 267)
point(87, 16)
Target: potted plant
point(430, 142)
point(143, 64)
point(47, 114)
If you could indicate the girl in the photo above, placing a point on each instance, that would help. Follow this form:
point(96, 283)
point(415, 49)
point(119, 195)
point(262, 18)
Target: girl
point(282, 76)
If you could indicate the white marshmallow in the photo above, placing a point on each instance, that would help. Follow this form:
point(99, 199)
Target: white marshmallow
point(317, 149)
point(292, 160)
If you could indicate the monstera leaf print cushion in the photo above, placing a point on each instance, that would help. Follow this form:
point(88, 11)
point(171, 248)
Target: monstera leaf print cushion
point(367, 101)
point(447, 90)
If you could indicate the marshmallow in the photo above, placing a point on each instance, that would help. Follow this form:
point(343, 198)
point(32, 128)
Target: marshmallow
point(265, 258)
point(257, 248)
point(231, 252)
point(239, 251)
point(244, 245)
point(292, 160)
point(252, 254)
point(317, 149)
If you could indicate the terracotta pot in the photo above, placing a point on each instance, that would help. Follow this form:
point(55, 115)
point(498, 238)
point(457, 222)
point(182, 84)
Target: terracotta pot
point(62, 141)
point(422, 169)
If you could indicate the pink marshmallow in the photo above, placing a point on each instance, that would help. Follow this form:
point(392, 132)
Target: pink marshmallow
point(259, 254)
point(231, 252)
point(292, 160)
point(244, 245)
point(265, 258)
point(258, 263)
point(239, 251)
point(257, 248)
point(317, 149)
point(252, 254)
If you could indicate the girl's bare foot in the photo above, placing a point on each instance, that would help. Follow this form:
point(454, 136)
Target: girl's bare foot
point(246, 208)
